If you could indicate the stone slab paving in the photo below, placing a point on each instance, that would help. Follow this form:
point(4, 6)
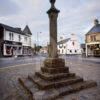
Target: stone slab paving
point(11, 90)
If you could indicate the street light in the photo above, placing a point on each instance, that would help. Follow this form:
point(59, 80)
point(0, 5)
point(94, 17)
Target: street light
point(37, 46)
point(38, 37)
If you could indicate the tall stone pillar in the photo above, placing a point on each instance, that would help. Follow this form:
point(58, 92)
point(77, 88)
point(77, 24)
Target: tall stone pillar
point(53, 14)
point(54, 79)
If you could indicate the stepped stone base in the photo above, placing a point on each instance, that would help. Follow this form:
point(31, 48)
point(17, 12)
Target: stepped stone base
point(53, 80)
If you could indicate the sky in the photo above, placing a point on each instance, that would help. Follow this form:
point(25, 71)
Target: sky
point(76, 16)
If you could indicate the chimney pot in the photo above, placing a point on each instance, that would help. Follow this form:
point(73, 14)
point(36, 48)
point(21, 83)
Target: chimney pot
point(96, 22)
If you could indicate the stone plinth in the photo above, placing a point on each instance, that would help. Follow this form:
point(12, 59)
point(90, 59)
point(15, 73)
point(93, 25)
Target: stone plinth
point(54, 62)
point(53, 80)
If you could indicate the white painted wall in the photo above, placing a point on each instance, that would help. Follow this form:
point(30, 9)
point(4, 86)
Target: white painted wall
point(16, 38)
point(70, 47)
point(62, 50)
point(76, 47)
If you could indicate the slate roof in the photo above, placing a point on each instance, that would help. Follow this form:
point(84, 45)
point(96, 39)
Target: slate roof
point(94, 29)
point(27, 30)
point(9, 28)
point(63, 41)
point(17, 30)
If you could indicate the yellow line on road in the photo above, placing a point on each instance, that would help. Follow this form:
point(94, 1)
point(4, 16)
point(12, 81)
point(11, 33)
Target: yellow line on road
point(15, 66)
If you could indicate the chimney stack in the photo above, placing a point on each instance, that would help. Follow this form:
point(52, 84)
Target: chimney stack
point(96, 22)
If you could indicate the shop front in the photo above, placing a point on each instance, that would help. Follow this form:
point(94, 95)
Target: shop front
point(12, 48)
point(27, 50)
point(93, 49)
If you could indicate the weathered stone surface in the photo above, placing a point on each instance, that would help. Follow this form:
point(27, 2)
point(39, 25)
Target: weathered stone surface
point(27, 85)
point(54, 93)
point(75, 87)
point(55, 70)
point(50, 94)
point(47, 76)
point(45, 84)
point(54, 62)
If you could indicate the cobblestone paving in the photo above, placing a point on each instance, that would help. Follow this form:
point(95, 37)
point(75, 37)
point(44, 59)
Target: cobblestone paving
point(10, 89)
point(89, 71)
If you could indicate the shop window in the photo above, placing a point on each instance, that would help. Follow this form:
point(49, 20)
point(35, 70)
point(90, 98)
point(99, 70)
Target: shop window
point(8, 50)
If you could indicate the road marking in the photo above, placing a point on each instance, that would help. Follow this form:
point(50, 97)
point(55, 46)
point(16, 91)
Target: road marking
point(15, 66)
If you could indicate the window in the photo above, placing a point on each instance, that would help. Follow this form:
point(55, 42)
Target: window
point(19, 38)
point(11, 36)
point(75, 51)
point(25, 39)
point(93, 38)
point(70, 51)
point(29, 41)
point(73, 43)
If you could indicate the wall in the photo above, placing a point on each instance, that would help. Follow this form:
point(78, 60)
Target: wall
point(16, 38)
point(88, 37)
point(73, 48)
point(1, 41)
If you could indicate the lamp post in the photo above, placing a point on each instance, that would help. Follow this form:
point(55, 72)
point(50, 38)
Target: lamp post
point(37, 41)
point(38, 37)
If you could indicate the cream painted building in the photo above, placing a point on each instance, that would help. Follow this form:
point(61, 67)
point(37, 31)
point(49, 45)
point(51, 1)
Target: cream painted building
point(93, 40)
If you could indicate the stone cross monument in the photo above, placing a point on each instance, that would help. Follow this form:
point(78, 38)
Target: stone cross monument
point(54, 79)
point(53, 14)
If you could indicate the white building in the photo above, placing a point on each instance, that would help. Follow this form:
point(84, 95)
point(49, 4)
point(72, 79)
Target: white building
point(14, 41)
point(69, 46)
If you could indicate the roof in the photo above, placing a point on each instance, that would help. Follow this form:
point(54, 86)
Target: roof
point(17, 30)
point(94, 29)
point(27, 30)
point(9, 28)
point(63, 41)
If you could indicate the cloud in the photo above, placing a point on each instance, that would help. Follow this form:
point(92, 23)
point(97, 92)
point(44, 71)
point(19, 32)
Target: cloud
point(77, 16)
point(8, 7)
point(74, 17)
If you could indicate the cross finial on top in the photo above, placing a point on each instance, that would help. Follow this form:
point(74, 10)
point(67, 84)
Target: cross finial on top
point(52, 2)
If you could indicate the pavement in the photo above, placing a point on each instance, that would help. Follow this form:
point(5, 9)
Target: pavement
point(12, 61)
point(11, 90)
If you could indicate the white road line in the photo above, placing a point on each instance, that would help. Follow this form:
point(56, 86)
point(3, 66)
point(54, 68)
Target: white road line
point(15, 66)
